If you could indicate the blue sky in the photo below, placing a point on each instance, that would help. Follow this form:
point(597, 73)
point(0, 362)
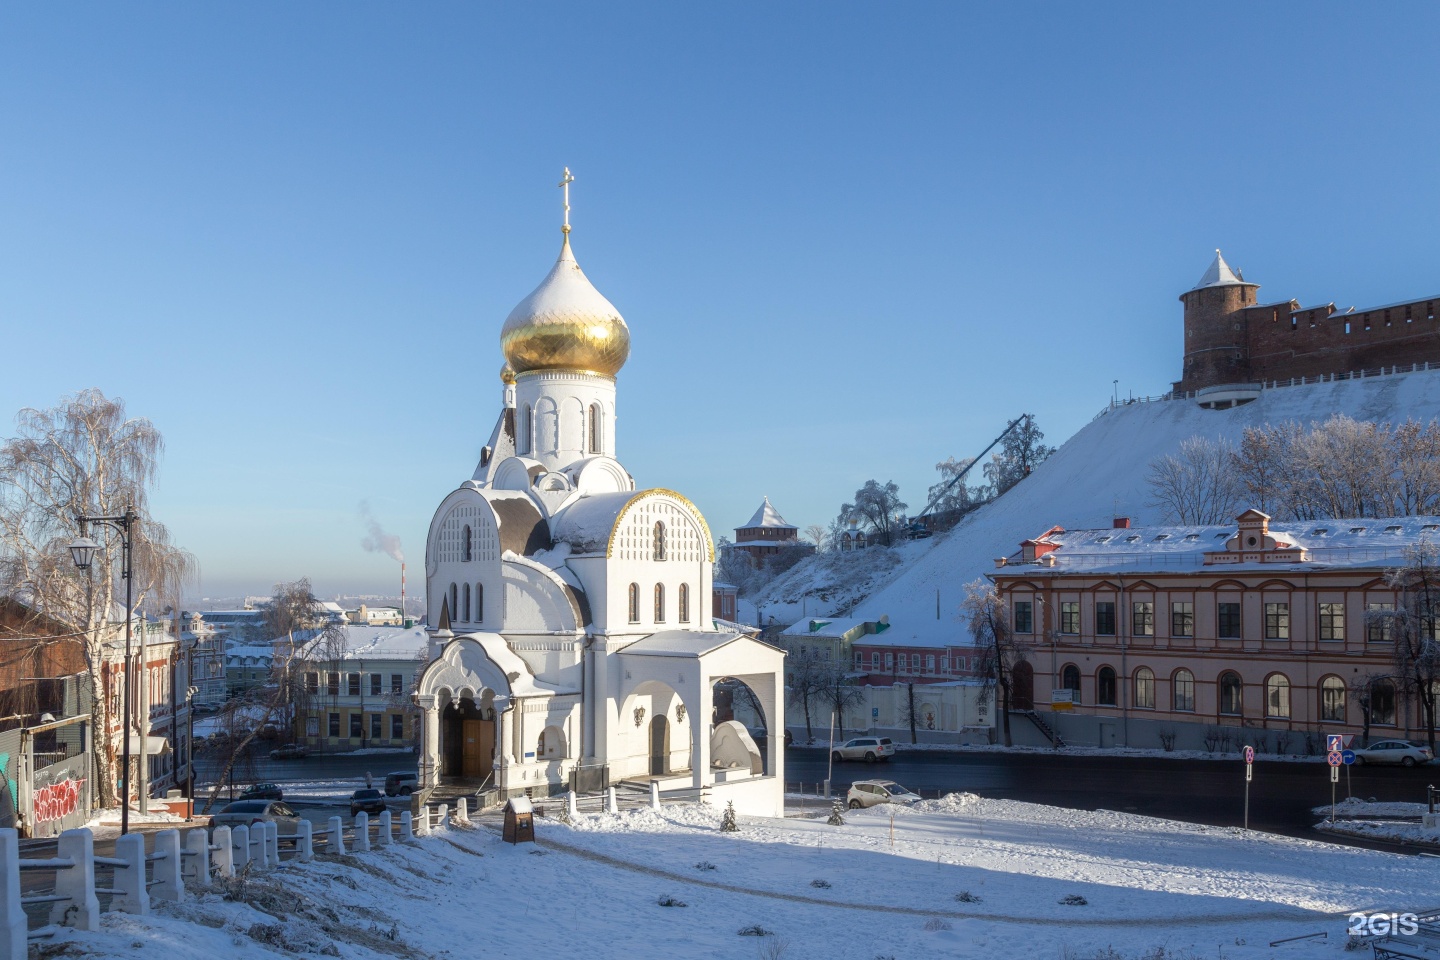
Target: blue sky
point(849, 240)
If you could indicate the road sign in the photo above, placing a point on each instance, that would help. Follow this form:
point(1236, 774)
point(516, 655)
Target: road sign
point(1334, 778)
point(875, 713)
point(1249, 754)
point(1334, 743)
point(1249, 775)
point(1348, 756)
point(1335, 758)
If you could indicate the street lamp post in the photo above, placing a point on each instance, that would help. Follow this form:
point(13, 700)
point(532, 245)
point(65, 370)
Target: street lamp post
point(82, 551)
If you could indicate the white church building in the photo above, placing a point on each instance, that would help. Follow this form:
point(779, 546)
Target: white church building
point(572, 645)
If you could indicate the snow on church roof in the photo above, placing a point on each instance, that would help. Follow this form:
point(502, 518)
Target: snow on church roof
point(768, 516)
point(1219, 275)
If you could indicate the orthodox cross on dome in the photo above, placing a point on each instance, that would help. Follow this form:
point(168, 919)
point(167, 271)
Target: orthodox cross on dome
point(564, 185)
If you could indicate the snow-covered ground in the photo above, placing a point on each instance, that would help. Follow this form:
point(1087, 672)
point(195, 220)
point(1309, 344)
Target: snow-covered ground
point(959, 877)
point(1095, 475)
point(1370, 820)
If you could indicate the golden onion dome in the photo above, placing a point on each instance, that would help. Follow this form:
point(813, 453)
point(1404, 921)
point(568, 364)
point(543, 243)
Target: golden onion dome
point(565, 324)
point(507, 374)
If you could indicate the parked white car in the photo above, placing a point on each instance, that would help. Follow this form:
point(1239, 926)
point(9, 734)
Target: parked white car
point(1402, 752)
point(868, 749)
point(868, 793)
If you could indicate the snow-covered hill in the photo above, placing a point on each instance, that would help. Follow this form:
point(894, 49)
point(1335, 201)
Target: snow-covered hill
point(1096, 475)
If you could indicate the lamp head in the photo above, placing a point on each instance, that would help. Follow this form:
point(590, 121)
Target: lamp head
point(82, 551)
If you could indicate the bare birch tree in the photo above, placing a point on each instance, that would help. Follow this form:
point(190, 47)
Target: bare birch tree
point(300, 637)
point(86, 457)
point(998, 651)
point(818, 535)
point(1198, 484)
point(805, 686)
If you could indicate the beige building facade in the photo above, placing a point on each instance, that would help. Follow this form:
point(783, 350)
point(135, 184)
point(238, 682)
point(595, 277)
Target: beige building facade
point(1268, 634)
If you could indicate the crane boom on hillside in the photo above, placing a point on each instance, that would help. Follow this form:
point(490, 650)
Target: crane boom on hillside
point(915, 528)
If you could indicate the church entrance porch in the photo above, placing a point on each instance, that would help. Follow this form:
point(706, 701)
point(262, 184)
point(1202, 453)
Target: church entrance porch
point(669, 687)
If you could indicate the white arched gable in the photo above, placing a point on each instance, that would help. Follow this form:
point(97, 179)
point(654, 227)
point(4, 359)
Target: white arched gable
point(687, 535)
point(601, 475)
point(465, 669)
point(517, 473)
point(446, 542)
point(537, 600)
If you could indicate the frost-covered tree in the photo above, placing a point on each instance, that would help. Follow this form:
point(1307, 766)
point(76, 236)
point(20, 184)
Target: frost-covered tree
point(1267, 468)
point(951, 493)
point(1198, 484)
point(879, 507)
point(1020, 452)
point(1341, 467)
point(998, 650)
point(1415, 629)
point(734, 566)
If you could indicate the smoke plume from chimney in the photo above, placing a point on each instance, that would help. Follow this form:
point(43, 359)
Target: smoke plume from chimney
point(377, 540)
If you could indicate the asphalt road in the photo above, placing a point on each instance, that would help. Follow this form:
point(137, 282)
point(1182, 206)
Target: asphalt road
point(259, 768)
point(1197, 791)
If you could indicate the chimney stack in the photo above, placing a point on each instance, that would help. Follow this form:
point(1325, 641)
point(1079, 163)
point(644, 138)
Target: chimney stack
point(1122, 523)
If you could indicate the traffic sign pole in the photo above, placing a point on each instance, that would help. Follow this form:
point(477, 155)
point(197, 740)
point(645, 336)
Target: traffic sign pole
point(1249, 773)
point(1335, 758)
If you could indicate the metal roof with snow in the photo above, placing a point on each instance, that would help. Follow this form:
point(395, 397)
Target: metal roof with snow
point(1218, 275)
point(768, 516)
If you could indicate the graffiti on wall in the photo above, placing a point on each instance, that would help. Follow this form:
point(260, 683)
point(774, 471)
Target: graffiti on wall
point(58, 800)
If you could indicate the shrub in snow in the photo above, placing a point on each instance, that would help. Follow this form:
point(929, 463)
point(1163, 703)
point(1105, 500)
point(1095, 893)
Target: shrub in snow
point(774, 948)
point(755, 931)
point(1212, 739)
point(965, 896)
point(935, 923)
point(704, 865)
point(1167, 738)
point(668, 901)
point(728, 823)
point(1074, 900)
point(820, 884)
point(837, 813)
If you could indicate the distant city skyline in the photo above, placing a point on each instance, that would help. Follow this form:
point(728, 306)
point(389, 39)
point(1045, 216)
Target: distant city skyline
point(849, 241)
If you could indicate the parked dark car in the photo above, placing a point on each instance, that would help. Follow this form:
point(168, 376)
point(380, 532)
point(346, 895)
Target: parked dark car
point(263, 791)
point(401, 784)
point(291, 751)
point(368, 801)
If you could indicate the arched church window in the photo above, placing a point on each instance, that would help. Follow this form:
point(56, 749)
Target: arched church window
point(594, 428)
point(659, 603)
point(659, 552)
point(634, 603)
point(684, 602)
point(465, 544)
point(465, 598)
point(527, 430)
point(454, 596)
point(479, 603)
